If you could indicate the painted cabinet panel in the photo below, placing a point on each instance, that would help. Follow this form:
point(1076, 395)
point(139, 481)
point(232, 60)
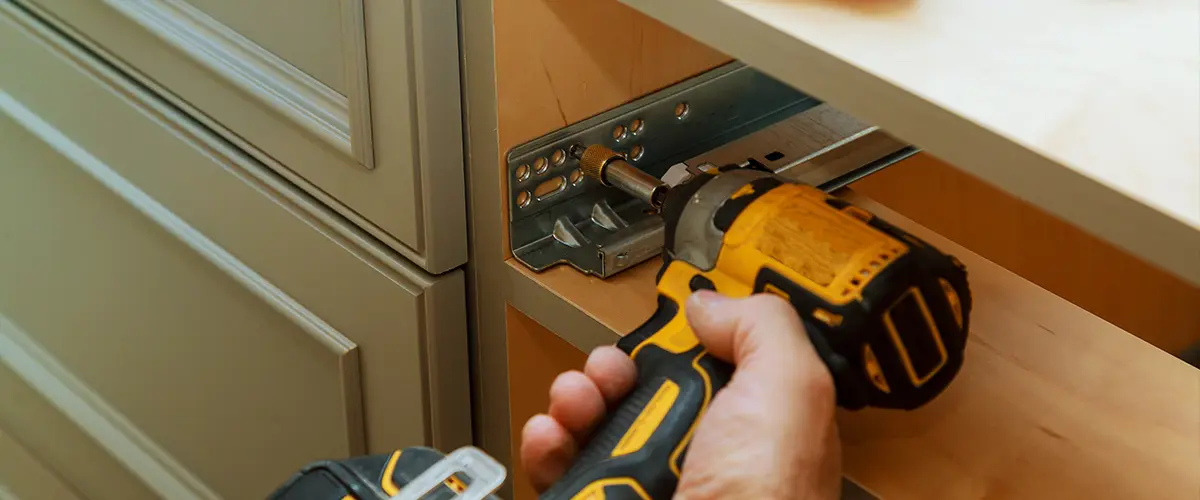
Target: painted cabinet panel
point(289, 81)
point(307, 34)
point(177, 320)
point(131, 332)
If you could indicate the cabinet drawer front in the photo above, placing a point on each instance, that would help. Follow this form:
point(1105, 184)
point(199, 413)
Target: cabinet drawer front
point(290, 80)
point(189, 311)
point(22, 475)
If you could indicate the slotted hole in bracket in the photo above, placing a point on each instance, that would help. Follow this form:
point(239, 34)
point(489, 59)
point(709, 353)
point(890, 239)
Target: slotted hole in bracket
point(549, 188)
point(774, 156)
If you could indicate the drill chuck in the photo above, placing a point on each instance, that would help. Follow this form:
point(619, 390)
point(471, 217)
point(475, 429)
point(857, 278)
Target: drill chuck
point(611, 169)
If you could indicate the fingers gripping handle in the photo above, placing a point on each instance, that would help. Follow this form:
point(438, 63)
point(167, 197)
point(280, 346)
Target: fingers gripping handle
point(638, 451)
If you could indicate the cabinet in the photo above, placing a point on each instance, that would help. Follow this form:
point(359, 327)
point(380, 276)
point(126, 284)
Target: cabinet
point(176, 319)
point(1040, 410)
point(290, 82)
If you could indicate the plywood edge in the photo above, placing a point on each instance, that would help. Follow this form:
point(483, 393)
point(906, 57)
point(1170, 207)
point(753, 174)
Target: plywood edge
point(547, 298)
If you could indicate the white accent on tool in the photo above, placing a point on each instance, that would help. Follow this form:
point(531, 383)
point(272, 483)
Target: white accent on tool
point(485, 473)
point(677, 174)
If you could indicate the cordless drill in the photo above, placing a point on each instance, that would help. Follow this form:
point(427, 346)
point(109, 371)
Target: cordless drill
point(887, 313)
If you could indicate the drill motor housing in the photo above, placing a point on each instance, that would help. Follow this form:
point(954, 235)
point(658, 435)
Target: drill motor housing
point(886, 311)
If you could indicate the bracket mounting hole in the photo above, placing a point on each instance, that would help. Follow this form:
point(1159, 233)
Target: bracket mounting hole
point(540, 166)
point(682, 109)
point(619, 132)
point(637, 152)
point(636, 126)
point(523, 199)
point(522, 172)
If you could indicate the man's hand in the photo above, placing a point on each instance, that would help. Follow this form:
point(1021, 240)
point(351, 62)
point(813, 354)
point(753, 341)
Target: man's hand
point(769, 434)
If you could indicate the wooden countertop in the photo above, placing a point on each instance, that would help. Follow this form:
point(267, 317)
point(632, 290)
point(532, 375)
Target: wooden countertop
point(1090, 110)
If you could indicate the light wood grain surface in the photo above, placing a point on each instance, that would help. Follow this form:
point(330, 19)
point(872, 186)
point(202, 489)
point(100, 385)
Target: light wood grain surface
point(1154, 305)
point(1053, 402)
point(536, 356)
point(560, 62)
point(1087, 109)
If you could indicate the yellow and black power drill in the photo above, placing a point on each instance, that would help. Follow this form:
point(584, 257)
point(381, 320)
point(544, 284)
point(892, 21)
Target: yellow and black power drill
point(887, 312)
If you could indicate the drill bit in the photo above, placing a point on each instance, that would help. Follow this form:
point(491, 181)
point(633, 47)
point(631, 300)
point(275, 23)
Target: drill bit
point(611, 169)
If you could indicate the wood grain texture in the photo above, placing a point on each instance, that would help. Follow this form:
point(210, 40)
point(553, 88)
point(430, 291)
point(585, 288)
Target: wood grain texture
point(1152, 304)
point(1053, 402)
point(1086, 109)
point(557, 63)
point(536, 355)
point(560, 62)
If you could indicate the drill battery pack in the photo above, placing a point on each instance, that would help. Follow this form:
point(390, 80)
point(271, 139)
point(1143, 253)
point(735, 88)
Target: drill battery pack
point(416, 472)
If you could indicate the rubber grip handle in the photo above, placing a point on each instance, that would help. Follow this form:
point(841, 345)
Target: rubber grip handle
point(638, 451)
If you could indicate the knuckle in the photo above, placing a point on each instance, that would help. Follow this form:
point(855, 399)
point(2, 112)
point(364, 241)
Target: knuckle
point(816, 381)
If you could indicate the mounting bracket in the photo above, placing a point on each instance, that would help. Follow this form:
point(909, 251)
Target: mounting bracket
point(729, 115)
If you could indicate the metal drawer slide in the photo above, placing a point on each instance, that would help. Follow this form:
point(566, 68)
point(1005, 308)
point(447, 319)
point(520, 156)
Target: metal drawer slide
point(730, 115)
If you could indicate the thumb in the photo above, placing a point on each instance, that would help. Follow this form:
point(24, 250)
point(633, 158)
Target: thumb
point(774, 419)
point(761, 335)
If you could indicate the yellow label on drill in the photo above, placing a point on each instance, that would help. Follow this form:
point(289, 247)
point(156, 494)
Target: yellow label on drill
point(823, 249)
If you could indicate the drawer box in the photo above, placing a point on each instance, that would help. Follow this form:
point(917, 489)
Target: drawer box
point(380, 143)
point(205, 326)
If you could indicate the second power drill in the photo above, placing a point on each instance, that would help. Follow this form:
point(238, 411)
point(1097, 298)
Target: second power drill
point(887, 312)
